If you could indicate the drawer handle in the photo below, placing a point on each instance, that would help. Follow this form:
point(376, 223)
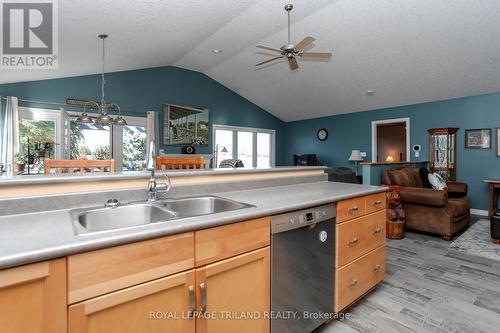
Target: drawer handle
point(192, 298)
point(353, 209)
point(376, 269)
point(377, 231)
point(203, 291)
point(353, 242)
point(353, 284)
point(377, 203)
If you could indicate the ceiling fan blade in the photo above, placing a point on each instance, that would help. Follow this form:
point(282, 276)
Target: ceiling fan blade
point(272, 59)
point(269, 48)
point(318, 55)
point(293, 63)
point(303, 43)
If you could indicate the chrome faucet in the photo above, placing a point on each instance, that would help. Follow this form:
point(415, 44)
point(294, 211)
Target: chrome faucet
point(153, 187)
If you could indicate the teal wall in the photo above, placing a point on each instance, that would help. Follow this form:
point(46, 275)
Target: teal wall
point(139, 91)
point(353, 131)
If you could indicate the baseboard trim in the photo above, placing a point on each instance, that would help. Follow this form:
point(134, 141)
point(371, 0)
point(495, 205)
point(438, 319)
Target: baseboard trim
point(480, 212)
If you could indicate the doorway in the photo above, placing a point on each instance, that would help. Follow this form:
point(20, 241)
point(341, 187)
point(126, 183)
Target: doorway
point(391, 140)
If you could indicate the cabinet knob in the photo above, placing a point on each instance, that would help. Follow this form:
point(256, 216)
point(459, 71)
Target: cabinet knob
point(377, 231)
point(353, 242)
point(377, 268)
point(377, 203)
point(353, 284)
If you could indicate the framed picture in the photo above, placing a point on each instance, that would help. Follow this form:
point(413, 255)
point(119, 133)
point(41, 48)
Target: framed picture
point(185, 126)
point(498, 141)
point(478, 138)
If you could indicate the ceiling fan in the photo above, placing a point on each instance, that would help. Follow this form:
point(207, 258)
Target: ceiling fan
point(291, 51)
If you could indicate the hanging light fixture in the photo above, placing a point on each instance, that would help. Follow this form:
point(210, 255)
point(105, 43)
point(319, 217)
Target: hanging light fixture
point(104, 119)
point(84, 118)
point(120, 121)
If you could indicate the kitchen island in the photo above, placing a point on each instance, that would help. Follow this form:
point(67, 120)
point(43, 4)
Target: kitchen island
point(193, 262)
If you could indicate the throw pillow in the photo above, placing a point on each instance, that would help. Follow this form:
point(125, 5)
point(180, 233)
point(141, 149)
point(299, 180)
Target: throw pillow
point(424, 175)
point(437, 181)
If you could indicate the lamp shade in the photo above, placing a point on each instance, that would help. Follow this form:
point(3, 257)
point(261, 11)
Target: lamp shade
point(389, 158)
point(355, 156)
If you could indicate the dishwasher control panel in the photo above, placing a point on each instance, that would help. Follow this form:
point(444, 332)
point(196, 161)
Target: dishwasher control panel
point(301, 218)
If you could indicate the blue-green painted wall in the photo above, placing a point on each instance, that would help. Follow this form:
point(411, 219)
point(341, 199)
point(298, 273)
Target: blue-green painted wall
point(353, 131)
point(139, 91)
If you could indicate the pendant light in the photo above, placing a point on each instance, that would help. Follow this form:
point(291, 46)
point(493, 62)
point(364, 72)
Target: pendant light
point(120, 121)
point(104, 119)
point(84, 118)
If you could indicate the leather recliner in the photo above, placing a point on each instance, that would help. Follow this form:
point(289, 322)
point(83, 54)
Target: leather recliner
point(439, 212)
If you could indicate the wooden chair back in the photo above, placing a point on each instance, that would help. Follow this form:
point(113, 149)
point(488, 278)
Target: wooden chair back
point(179, 163)
point(78, 166)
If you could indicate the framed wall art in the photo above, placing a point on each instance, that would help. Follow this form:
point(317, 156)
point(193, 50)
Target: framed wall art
point(185, 125)
point(478, 138)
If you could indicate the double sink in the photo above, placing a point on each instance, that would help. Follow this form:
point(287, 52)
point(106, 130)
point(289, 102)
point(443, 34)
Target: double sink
point(91, 220)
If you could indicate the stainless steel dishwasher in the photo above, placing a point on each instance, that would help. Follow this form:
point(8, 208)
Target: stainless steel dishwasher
point(302, 269)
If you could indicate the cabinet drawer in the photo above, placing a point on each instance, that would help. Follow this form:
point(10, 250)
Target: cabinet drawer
point(358, 237)
point(99, 272)
point(375, 202)
point(355, 279)
point(229, 240)
point(351, 208)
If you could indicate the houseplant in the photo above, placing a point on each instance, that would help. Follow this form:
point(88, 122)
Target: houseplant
point(19, 162)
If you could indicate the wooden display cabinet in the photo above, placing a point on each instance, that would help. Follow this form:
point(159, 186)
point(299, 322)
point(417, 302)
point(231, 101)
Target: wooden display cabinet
point(443, 152)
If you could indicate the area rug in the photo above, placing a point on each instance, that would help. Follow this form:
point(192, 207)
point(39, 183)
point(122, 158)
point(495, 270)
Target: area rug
point(477, 241)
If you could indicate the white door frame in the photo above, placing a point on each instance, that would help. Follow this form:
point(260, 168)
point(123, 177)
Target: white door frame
point(375, 123)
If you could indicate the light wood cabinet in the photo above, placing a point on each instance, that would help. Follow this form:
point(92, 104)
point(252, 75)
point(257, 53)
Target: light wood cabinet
point(229, 240)
point(359, 276)
point(359, 247)
point(33, 298)
point(158, 306)
point(233, 287)
point(359, 236)
point(99, 272)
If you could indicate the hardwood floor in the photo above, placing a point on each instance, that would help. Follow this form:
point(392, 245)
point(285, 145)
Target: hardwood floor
point(428, 288)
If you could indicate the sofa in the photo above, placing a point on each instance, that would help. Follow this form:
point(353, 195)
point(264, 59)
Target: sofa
point(341, 175)
point(435, 211)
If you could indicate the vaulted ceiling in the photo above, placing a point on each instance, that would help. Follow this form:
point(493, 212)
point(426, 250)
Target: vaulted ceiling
point(407, 51)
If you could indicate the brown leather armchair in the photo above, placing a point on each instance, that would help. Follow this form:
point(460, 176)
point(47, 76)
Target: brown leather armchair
point(439, 212)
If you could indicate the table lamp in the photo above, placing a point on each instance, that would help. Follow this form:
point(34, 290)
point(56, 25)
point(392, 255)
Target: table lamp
point(356, 157)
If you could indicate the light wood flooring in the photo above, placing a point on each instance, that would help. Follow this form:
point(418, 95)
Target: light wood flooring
point(428, 288)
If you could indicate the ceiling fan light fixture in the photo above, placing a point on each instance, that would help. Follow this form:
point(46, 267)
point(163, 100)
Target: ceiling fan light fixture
point(291, 51)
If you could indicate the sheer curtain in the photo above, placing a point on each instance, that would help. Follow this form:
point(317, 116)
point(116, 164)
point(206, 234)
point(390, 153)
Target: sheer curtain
point(9, 130)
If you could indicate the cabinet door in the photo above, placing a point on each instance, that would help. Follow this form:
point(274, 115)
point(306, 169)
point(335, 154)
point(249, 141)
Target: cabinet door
point(161, 305)
point(33, 298)
point(233, 295)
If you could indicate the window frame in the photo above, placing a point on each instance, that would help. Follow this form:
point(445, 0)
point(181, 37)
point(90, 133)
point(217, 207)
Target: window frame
point(116, 137)
point(55, 115)
point(254, 131)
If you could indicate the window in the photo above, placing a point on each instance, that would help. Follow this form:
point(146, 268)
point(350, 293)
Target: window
point(55, 134)
point(253, 146)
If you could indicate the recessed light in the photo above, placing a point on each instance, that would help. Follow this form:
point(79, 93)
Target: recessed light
point(216, 51)
point(370, 92)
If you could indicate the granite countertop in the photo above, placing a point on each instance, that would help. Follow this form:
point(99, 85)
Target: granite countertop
point(27, 238)
point(9, 180)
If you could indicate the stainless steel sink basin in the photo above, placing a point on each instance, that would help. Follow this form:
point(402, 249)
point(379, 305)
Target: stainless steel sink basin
point(204, 205)
point(92, 220)
point(102, 219)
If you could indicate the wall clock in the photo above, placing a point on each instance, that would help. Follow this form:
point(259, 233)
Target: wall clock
point(322, 134)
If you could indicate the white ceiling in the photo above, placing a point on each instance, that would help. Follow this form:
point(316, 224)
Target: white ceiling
point(407, 51)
